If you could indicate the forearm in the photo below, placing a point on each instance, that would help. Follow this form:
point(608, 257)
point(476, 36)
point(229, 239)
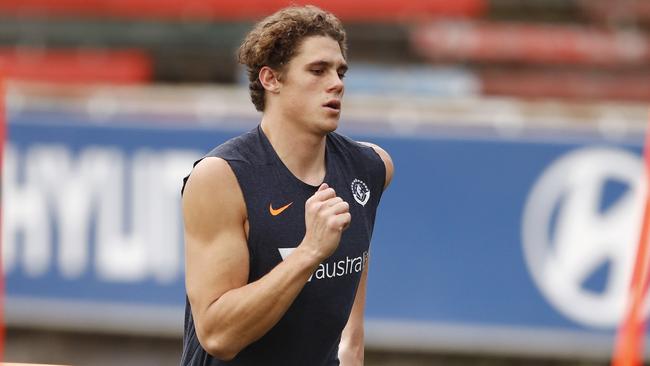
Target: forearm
point(243, 315)
point(351, 348)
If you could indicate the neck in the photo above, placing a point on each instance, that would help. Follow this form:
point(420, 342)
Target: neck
point(301, 151)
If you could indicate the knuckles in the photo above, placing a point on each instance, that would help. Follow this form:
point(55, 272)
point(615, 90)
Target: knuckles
point(313, 206)
point(322, 215)
point(317, 206)
point(331, 222)
point(326, 193)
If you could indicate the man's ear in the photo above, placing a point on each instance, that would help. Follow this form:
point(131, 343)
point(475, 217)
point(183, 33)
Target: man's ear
point(270, 79)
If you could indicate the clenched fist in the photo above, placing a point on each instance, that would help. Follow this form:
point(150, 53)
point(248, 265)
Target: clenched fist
point(326, 216)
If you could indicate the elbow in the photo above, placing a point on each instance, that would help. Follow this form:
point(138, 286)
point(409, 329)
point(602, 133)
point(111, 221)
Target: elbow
point(352, 347)
point(221, 351)
point(219, 346)
point(351, 354)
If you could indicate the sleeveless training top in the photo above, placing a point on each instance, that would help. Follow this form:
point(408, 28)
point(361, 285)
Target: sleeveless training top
point(309, 332)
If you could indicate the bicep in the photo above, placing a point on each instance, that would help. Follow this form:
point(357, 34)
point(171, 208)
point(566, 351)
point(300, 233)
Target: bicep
point(216, 253)
point(388, 162)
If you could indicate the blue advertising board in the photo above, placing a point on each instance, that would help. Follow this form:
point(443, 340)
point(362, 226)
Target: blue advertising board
point(483, 242)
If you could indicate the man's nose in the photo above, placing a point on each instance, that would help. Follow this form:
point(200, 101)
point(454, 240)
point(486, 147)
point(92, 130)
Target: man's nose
point(336, 83)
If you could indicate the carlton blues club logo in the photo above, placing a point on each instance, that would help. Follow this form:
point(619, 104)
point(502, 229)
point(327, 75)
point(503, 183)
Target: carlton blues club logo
point(360, 192)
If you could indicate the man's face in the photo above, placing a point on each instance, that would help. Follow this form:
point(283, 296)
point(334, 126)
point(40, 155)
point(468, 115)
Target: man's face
point(312, 85)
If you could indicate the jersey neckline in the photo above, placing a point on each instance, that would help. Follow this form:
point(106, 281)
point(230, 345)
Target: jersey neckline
point(277, 161)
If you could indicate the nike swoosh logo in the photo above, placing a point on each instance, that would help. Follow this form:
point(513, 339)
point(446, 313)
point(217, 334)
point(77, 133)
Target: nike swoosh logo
point(276, 212)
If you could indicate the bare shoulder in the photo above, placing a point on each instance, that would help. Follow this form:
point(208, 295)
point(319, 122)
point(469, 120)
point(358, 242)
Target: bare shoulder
point(212, 190)
point(388, 161)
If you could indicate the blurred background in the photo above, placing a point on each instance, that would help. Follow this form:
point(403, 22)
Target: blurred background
point(507, 236)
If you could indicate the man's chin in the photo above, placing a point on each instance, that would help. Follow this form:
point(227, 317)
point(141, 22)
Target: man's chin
point(325, 126)
point(330, 126)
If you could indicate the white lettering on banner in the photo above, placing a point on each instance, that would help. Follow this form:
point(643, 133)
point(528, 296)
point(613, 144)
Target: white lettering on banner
point(585, 238)
point(133, 205)
point(24, 215)
point(121, 252)
point(70, 187)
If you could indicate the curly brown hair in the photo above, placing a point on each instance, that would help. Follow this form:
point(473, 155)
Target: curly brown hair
point(274, 41)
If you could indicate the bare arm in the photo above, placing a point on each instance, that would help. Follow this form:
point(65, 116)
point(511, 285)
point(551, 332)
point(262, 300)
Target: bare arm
point(229, 314)
point(351, 347)
point(388, 162)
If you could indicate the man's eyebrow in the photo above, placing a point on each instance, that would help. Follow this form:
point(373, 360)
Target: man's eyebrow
point(323, 63)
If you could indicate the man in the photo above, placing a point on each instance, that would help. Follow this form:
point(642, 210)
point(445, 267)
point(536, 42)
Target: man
point(278, 221)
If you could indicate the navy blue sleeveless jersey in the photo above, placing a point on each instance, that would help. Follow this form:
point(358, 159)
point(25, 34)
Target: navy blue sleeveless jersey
point(309, 332)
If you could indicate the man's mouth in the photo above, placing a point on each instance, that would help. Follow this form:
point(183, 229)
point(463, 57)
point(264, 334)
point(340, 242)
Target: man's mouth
point(334, 104)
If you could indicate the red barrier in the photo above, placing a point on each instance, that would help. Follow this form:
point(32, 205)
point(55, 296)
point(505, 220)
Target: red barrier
point(604, 10)
point(357, 10)
point(545, 44)
point(77, 66)
point(567, 85)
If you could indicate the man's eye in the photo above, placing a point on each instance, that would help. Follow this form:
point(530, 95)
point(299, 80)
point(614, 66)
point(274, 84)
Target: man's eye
point(341, 75)
point(317, 71)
